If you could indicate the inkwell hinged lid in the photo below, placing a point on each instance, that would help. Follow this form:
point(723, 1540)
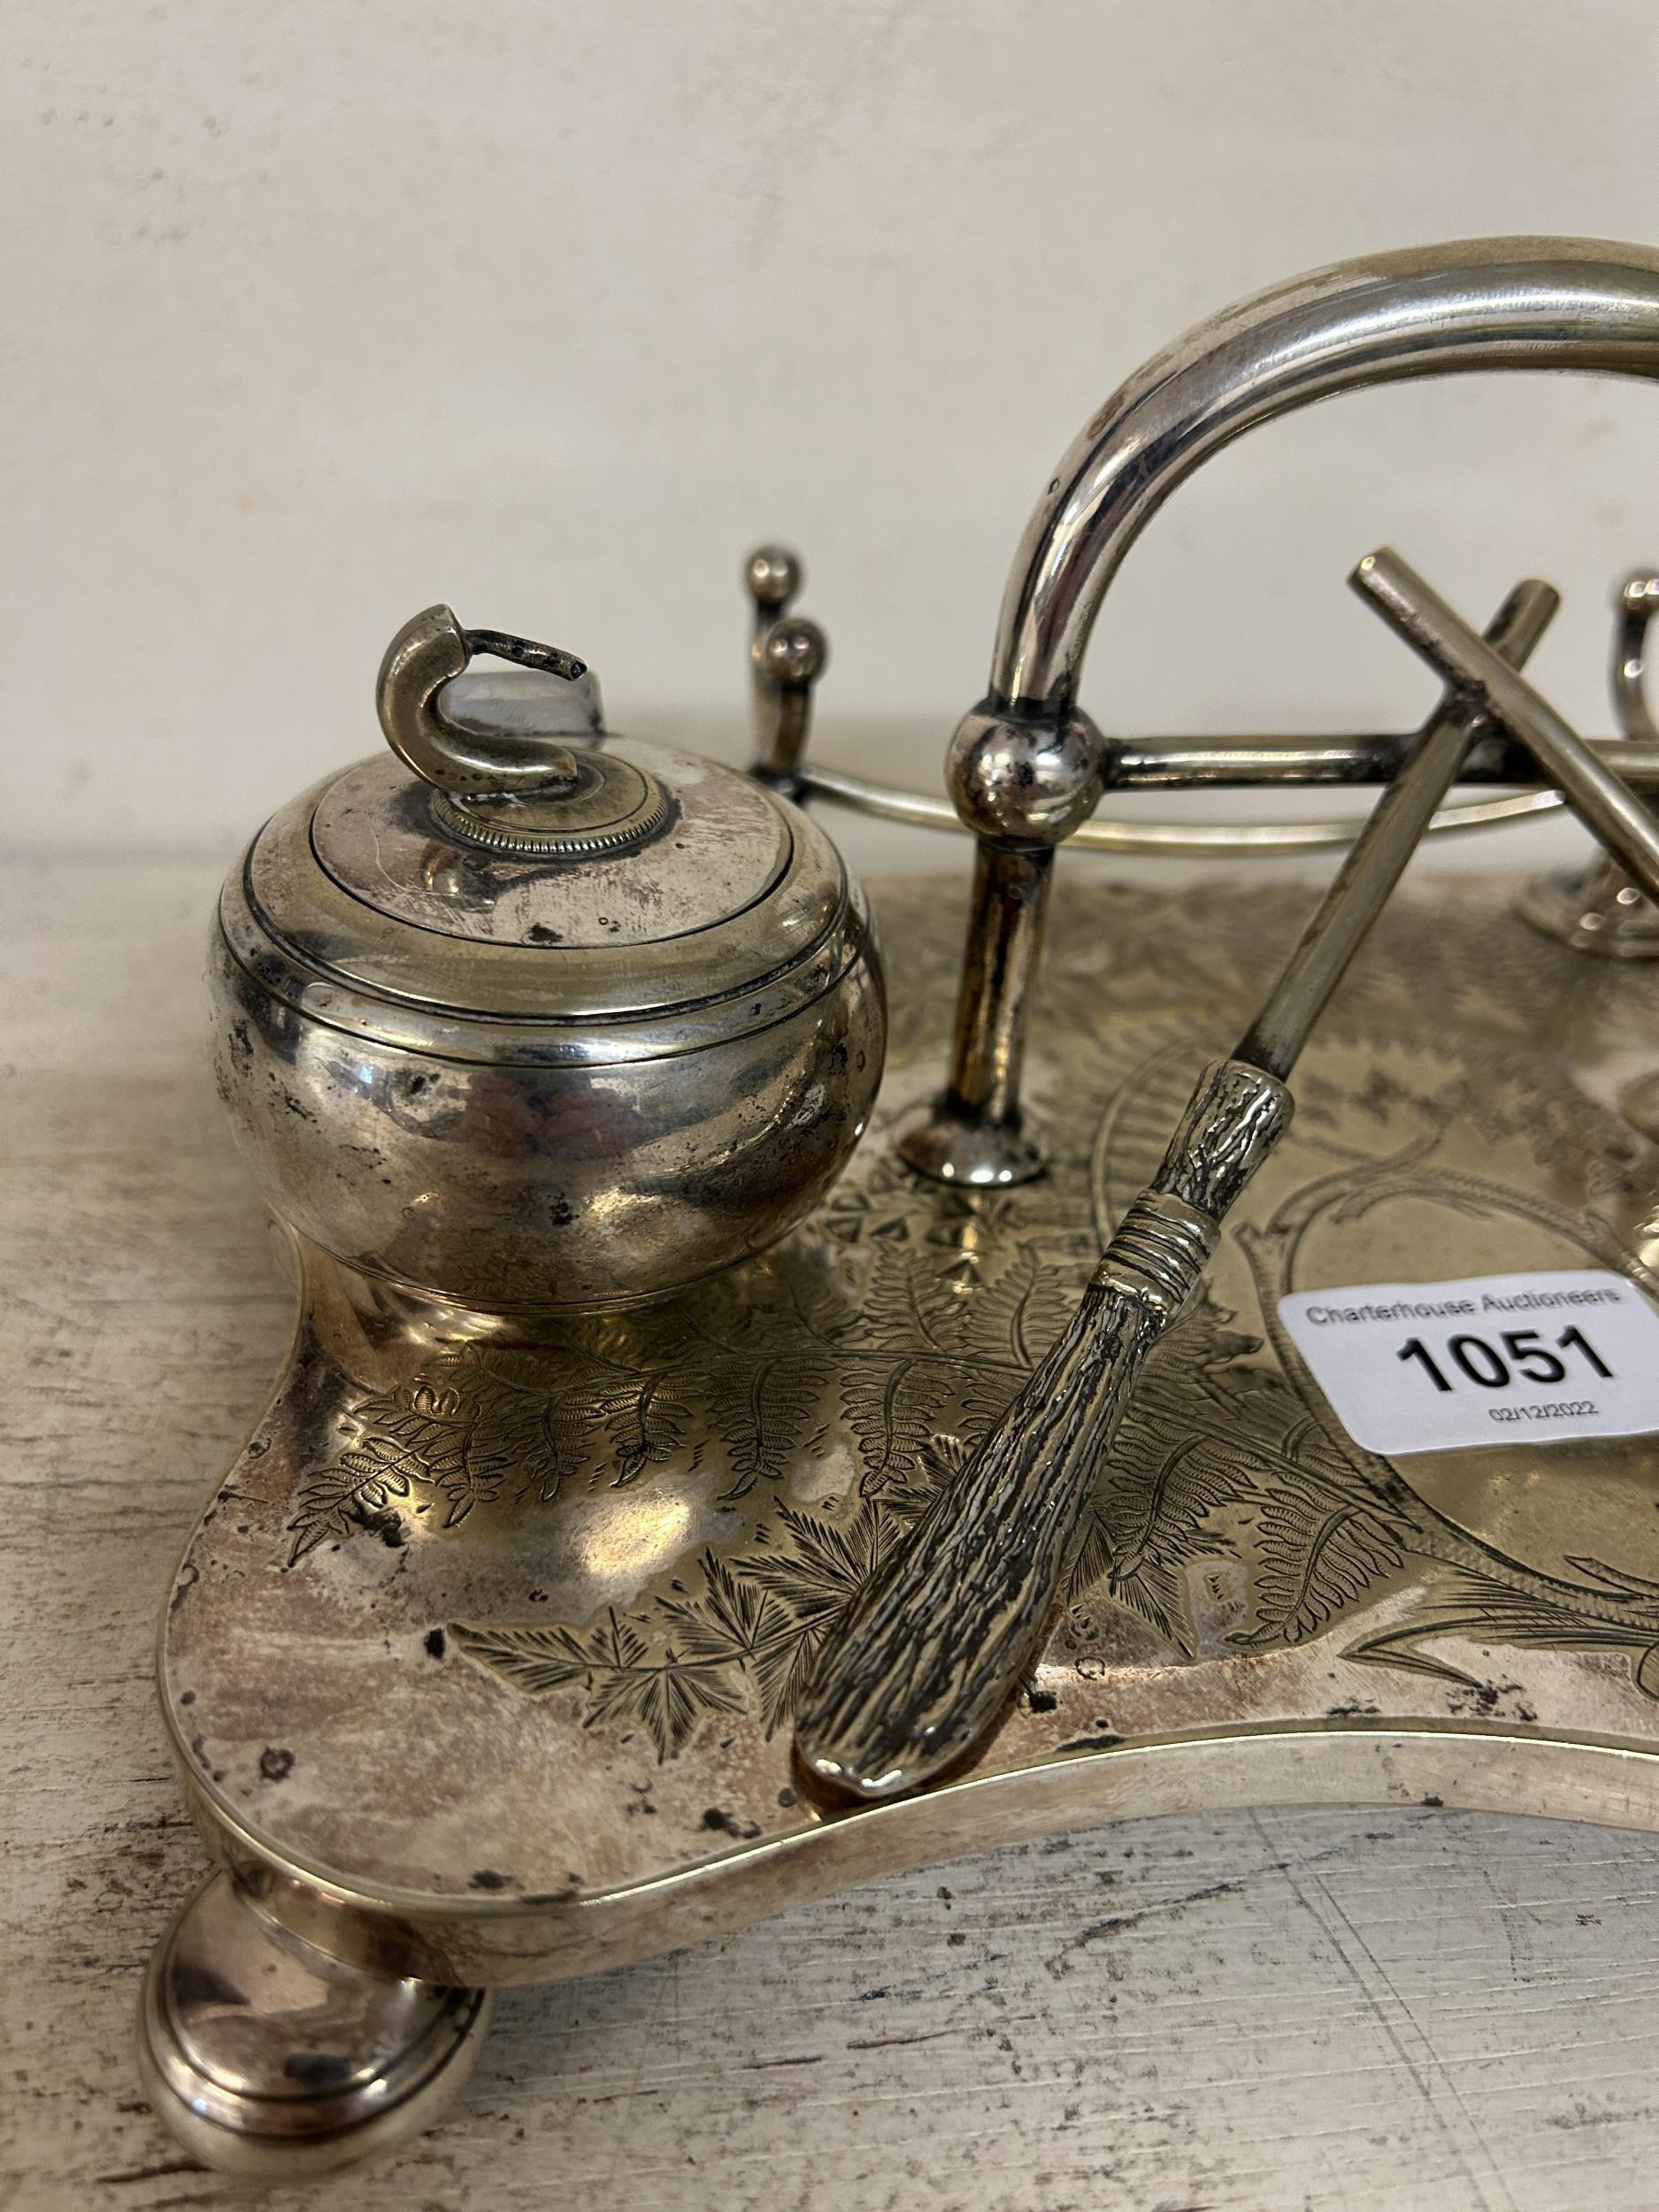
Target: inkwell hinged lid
point(664, 965)
point(506, 826)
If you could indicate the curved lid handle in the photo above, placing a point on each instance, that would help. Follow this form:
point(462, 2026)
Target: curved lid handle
point(474, 760)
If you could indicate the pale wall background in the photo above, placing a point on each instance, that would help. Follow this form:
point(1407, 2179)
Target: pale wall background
point(316, 311)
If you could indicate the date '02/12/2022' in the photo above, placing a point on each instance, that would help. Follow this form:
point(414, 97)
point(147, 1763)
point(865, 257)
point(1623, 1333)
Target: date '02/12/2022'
point(1423, 1367)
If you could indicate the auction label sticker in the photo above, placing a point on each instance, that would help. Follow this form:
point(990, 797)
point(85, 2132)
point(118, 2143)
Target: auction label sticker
point(1494, 1359)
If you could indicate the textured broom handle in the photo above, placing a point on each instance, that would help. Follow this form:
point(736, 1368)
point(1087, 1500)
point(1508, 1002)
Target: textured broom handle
point(928, 1659)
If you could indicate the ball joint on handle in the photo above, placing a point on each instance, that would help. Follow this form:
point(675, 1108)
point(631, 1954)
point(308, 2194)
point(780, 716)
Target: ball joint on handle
point(1026, 766)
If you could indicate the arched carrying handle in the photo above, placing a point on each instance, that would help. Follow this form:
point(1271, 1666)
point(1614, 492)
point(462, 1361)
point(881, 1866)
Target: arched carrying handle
point(429, 653)
point(1026, 767)
point(1585, 303)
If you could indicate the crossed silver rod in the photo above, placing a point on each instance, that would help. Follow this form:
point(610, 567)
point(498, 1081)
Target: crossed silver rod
point(927, 1660)
point(1603, 803)
point(1374, 864)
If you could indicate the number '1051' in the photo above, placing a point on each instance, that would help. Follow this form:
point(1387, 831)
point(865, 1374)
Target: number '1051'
point(1525, 1353)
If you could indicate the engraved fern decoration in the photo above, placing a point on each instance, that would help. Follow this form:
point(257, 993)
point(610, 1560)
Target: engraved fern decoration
point(931, 1342)
point(666, 1693)
point(750, 1624)
point(611, 1400)
point(1216, 1457)
point(742, 1374)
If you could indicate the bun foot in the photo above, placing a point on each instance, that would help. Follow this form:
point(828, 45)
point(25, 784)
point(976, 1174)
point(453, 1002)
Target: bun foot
point(270, 2060)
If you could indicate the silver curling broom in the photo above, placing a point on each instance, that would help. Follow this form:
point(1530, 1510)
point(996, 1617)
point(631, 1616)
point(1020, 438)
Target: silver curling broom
point(926, 1662)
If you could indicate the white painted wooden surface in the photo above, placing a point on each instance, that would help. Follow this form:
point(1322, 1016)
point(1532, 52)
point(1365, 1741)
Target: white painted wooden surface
point(1248, 2012)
